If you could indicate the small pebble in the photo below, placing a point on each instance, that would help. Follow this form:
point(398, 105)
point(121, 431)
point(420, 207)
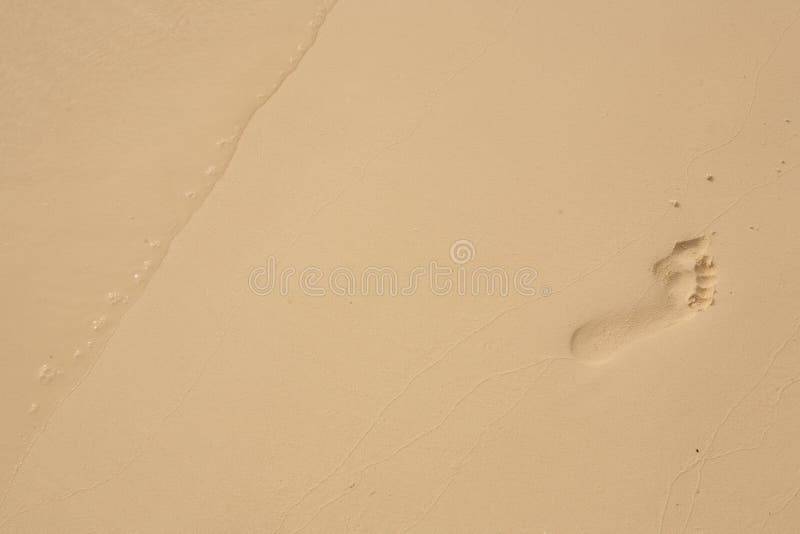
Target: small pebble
point(46, 374)
point(99, 323)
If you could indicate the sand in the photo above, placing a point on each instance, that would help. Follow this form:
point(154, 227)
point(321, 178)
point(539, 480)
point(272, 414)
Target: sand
point(400, 267)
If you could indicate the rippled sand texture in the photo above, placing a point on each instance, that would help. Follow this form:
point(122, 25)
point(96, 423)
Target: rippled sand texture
point(615, 148)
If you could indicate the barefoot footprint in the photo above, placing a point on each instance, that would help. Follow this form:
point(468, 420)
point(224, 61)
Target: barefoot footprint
point(685, 285)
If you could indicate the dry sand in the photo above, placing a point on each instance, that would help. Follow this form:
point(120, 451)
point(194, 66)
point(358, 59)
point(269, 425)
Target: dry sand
point(473, 267)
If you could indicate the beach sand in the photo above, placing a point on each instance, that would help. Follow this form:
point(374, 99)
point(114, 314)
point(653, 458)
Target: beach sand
point(400, 267)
